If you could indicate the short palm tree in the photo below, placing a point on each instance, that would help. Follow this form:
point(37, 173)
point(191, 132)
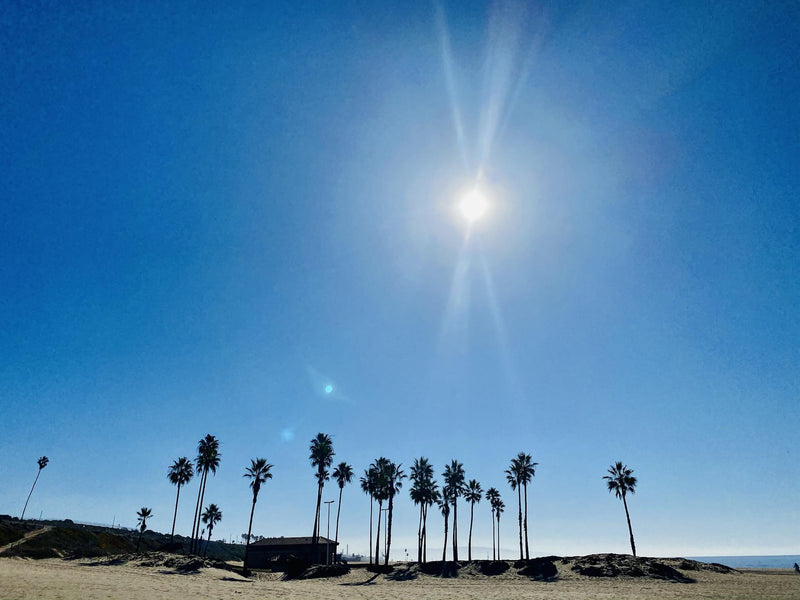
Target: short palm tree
point(208, 458)
point(368, 487)
point(492, 495)
point(42, 462)
point(144, 514)
point(472, 494)
point(211, 517)
point(380, 491)
point(343, 474)
point(444, 507)
point(394, 476)
point(258, 472)
point(422, 492)
point(454, 480)
point(621, 481)
point(180, 473)
point(321, 457)
point(498, 510)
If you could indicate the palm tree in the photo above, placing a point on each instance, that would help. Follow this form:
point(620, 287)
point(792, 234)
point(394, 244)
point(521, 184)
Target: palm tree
point(394, 481)
point(368, 487)
point(492, 495)
point(208, 458)
point(454, 480)
point(380, 492)
point(498, 510)
point(526, 473)
point(144, 514)
point(321, 457)
point(343, 474)
point(180, 473)
point(472, 494)
point(444, 507)
point(621, 481)
point(258, 472)
point(422, 488)
point(42, 462)
point(513, 477)
point(211, 517)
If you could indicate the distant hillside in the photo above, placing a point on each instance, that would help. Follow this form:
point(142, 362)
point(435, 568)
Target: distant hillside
point(67, 539)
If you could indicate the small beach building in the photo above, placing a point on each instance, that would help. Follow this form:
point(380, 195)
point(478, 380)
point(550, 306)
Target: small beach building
point(271, 551)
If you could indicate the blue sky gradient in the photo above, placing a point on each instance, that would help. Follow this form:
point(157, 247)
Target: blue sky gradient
point(210, 213)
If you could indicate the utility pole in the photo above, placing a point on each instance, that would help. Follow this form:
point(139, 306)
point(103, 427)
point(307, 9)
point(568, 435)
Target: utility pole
point(328, 538)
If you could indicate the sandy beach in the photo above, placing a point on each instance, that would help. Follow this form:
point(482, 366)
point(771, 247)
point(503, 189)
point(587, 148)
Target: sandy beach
point(92, 579)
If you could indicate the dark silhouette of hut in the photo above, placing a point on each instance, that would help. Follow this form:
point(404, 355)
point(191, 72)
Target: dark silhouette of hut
point(274, 552)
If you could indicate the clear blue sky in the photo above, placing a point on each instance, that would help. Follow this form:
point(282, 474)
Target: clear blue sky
point(210, 213)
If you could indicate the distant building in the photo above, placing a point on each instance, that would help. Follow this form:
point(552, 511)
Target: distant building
point(268, 551)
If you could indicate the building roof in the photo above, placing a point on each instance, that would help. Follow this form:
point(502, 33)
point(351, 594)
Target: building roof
point(291, 541)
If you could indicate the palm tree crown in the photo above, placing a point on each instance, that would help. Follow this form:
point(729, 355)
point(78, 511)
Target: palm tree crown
point(620, 480)
point(258, 472)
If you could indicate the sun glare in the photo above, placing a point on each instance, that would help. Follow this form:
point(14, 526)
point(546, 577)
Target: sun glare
point(473, 205)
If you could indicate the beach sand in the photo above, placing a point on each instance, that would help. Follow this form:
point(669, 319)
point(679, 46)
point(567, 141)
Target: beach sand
point(91, 579)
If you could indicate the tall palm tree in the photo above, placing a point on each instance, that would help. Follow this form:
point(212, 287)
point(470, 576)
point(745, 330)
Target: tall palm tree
point(343, 474)
point(258, 472)
point(368, 487)
point(394, 481)
point(211, 517)
point(380, 492)
point(208, 458)
point(42, 462)
point(180, 473)
point(526, 473)
point(472, 494)
point(498, 510)
point(444, 507)
point(422, 489)
point(621, 481)
point(433, 496)
point(454, 480)
point(144, 514)
point(514, 479)
point(492, 495)
point(321, 457)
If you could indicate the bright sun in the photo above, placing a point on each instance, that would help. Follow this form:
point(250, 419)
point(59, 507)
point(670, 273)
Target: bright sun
point(473, 205)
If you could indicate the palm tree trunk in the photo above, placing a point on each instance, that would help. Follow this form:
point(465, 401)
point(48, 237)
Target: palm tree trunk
point(444, 550)
point(371, 501)
point(338, 512)
point(378, 535)
point(455, 529)
point(139, 543)
point(207, 541)
point(249, 529)
point(527, 552)
point(519, 504)
point(419, 534)
point(469, 541)
point(630, 530)
point(199, 541)
point(175, 516)
point(494, 553)
point(389, 530)
point(425, 534)
point(24, 508)
point(498, 536)
point(315, 535)
point(196, 521)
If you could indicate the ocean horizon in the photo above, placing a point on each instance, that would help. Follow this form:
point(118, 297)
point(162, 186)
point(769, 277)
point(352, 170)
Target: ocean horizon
point(777, 561)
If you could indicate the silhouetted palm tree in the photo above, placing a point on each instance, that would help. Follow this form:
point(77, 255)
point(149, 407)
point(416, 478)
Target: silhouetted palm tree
point(454, 480)
point(444, 507)
point(368, 487)
point(258, 472)
point(208, 458)
point(513, 476)
point(180, 473)
point(211, 517)
point(492, 495)
point(498, 510)
point(526, 473)
point(394, 481)
point(343, 474)
point(144, 514)
point(472, 494)
point(423, 492)
point(42, 462)
point(621, 481)
point(321, 457)
point(380, 492)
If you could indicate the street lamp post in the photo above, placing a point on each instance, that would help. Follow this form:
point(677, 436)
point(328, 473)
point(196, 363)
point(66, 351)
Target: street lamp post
point(328, 538)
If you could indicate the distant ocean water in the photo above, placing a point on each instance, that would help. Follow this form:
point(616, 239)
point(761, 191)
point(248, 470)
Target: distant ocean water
point(785, 561)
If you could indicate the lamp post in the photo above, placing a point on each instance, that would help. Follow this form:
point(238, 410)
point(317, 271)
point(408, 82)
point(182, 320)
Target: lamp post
point(328, 538)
